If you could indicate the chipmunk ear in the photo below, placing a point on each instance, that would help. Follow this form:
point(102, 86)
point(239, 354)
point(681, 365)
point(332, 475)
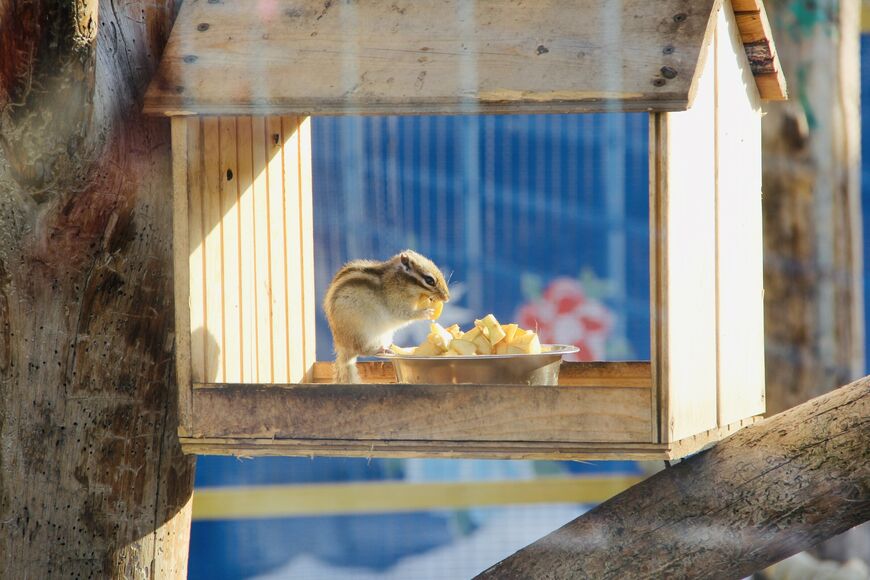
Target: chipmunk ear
point(406, 261)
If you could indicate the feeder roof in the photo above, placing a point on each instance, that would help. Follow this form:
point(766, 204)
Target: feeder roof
point(446, 56)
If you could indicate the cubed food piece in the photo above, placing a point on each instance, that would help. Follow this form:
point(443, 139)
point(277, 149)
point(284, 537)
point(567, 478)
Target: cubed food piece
point(527, 343)
point(439, 336)
point(454, 331)
point(490, 328)
point(427, 349)
point(510, 330)
point(483, 345)
point(402, 350)
point(463, 346)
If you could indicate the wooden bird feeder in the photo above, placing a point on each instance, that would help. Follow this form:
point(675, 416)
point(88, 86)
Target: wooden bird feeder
point(240, 80)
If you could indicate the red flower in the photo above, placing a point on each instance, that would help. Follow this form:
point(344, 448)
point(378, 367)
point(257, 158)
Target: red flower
point(565, 315)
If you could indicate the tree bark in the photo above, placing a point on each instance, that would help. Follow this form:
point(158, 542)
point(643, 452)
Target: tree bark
point(814, 315)
point(92, 480)
point(765, 493)
point(814, 310)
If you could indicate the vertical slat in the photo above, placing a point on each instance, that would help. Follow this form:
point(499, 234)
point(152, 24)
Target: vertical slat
point(230, 251)
point(277, 259)
point(740, 283)
point(180, 257)
point(262, 251)
point(293, 248)
point(214, 336)
point(247, 228)
point(687, 247)
point(196, 248)
point(657, 270)
point(309, 299)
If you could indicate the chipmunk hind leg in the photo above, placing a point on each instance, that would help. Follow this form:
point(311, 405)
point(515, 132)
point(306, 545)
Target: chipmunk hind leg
point(345, 370)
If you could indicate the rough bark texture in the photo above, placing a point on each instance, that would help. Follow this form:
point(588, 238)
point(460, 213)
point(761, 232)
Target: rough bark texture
point(814, 321)
point(814, 313)
point(92, 480)
point(767, 492)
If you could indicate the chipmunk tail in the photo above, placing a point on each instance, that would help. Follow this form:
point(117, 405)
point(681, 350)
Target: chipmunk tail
point(345, 370)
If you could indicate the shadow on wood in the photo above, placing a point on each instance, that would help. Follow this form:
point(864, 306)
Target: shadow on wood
point(771, 490)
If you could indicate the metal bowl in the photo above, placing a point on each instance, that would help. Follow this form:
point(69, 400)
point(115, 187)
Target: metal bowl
point(485, 369)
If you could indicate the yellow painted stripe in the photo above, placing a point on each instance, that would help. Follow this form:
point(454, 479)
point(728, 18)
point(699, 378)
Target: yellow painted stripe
point(865, 16)
point(222, 503)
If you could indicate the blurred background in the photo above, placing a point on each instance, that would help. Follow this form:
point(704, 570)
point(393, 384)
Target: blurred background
point(537, 218)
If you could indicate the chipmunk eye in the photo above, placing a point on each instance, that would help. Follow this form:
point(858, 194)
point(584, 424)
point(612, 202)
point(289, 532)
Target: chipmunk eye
point(429, 280)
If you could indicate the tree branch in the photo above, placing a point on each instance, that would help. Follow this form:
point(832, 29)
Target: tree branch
point(769, 491)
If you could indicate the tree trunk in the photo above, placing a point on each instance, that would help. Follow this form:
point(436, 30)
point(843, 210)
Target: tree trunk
point(814, 313)
point(92, 480)
point(765, 493)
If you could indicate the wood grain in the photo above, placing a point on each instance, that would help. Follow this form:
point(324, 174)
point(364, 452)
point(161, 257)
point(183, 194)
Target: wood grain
point(181, 273)
point(739, 277)
point(383, 412)
point(757, 38)
point(685, 248)
point(251, 291)
point(195, 243)
point(429, 57)
point(94, 484)
point(555, 450)
point(576, 374)
point(771, 490)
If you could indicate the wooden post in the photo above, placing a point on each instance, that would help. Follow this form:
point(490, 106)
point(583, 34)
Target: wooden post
point(814, 314)
point(93, 481)
point(770, 490)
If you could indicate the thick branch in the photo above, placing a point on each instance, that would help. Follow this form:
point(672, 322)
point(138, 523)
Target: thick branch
point(767, 492)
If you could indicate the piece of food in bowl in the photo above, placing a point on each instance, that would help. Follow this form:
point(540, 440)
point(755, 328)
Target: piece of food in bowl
point(491, 329)
point(402, 350)
point(463, 346)
point(527, 343)
point(487, 336)
point(439, 336)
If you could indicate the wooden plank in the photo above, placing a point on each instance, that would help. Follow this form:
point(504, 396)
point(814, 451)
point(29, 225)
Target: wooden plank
point(575, 374)
point(771, 84)
point(277, 245)
point(558, 451)
point(181, 275)
point(247, 256)
point(196, 248)
point(262, 252)
point(757, 39)
point(215, 331)
point(413, 449)
point(657, 268)
point(686, 277)
point(309, 296)
point(751, 27)
point(746, 5)
point(740, 285)
point(377, 412)
point(699, 441)
point(224, 57)
point(233, 347)
point(293, 249)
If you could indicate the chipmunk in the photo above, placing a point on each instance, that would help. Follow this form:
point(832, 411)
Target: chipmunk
point(368, 301)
